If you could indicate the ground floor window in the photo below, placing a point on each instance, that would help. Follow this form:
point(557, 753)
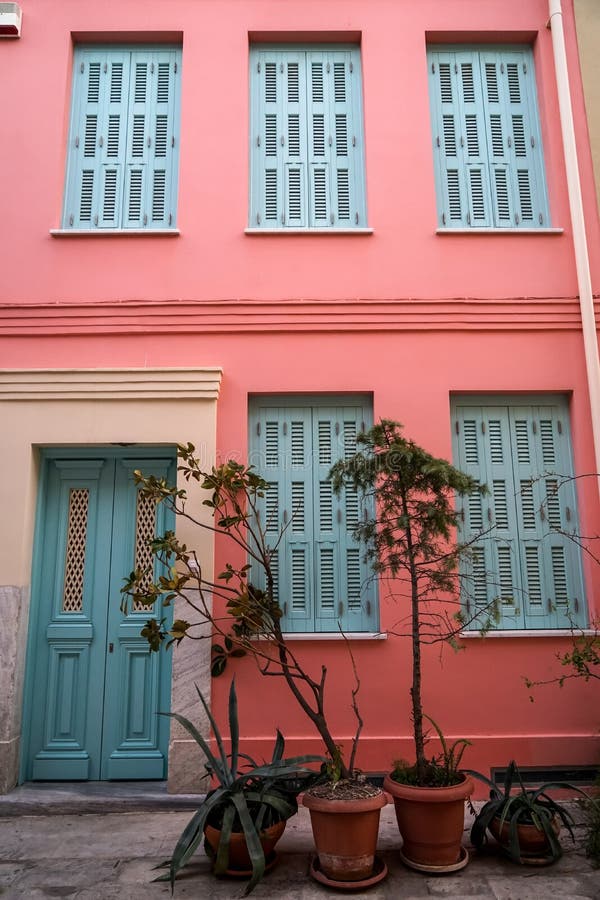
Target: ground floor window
point(523, 558)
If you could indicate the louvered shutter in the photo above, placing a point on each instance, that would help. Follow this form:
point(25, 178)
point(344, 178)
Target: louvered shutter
point(491, 568)
point(306, 141)
point(550, 564)
point(122, 166)
point(513, 139)
point(524, 563)
point(487, 147)
point(98, 125)
point(344, 590)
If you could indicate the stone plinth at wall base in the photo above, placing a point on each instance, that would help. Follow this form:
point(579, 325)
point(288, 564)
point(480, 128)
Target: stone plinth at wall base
point(186, 771)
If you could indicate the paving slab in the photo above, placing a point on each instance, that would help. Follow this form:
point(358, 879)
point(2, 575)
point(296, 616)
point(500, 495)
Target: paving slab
point(101, 856)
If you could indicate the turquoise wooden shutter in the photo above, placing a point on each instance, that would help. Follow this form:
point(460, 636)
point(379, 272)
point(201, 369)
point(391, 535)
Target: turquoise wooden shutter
point(96, 144)
point(345, 594)
point(514, 139)
point(491, 568)
point(550, 563)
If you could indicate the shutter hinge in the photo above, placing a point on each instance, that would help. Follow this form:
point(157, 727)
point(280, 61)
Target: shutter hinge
point(71, 220)
point(509, 141)
point(258, 140)
point(559, 426)
point(532, 141)
point(173, 140)
point(362, 426)
point(462, 514)
point(517, 218)
point(281, 68)
point(328, 68)
point(258, 428)
point(282, 141)
point(170, 218)
point(468, 218)
point(534, 426)
point(258, 66)
point(550, 605)
point(525, 68)
point(339, 517)
point(95, 220)
point(175, 66)
point(568, 513)
point(152, 68)
point(433, 68)
point(285, 608)
point(541, 219)
point(283, 218)
point(438, 143)
point(368, 607)
point(101, 141)
point(356, 218)
point(455, 69)
point(331, 218)
point(145, 219)
point(330, 141)
point(340, 608)
point(351, 66)
point(337, 427)
point(81, 68)
point(489, 514)
point(148, 141)
point(483, 427)
point(258, 218)
point(443, 218)
point(77, 141)
point(284, 429)
point(354, 140)
point(542, 513)
point(576, 604)
point(502, 68)
point(105, 69)
point(456, 427)
point(285, 516)
point(462, 141)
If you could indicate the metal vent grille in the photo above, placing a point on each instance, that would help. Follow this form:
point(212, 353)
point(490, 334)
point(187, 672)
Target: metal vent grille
point(75, 552)
point(145, 528)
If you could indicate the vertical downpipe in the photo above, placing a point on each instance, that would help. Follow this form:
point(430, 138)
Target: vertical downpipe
point(584, 281)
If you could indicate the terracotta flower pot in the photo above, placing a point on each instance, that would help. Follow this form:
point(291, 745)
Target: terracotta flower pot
point(431, 821)
point(239, 860)
point(533, 843)
point(345, 834)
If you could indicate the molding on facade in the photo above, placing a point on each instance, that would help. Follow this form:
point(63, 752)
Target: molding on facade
point(110, 384)
point(244, 316)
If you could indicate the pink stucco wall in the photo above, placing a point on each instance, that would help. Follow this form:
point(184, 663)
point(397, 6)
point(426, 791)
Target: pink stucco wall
point(403, 313)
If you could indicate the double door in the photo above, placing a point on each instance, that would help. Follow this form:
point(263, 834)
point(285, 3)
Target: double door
point(93, 687)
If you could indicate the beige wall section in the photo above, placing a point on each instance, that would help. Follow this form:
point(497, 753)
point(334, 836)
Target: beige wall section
point(86, 407)
point(587, 16)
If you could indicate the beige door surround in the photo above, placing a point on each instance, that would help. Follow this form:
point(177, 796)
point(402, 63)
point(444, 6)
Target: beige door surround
point(87, 407)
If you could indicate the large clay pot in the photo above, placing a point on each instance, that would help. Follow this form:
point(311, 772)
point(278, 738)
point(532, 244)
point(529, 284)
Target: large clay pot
point(345, 834)
point(533, 843)
point(431, 821)
point(239, 860)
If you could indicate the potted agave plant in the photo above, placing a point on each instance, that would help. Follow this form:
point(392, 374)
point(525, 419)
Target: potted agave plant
point(525, 822)
point(245, 619)
point(410, 540)
point(243, 817)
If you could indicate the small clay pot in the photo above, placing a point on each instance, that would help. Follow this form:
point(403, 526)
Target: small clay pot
point(533, 843)
point(239, 859)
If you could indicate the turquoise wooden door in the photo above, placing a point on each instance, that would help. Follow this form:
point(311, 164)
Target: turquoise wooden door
point(93, 688)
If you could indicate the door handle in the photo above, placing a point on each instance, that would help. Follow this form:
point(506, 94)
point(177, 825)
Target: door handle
point(111, 647)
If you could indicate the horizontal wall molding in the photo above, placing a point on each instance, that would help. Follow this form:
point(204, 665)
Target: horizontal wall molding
point(110, 384)
point(242, 316)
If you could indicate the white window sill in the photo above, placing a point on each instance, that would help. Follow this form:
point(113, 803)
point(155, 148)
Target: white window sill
point(332, 636)
point(449, 230)
point(533, 632)
point(111, 232)
point(332, 231)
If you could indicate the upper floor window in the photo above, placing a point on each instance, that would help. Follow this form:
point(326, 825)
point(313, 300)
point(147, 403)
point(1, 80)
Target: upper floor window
point(306, 138)
point(123, 143)
point(489, 167)
point(322, 581)
point(522, 557)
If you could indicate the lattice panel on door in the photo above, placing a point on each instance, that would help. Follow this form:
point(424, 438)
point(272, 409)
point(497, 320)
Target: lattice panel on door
point(75, 552)
point(145, 529)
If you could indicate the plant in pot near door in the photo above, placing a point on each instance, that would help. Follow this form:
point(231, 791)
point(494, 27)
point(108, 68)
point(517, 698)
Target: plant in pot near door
point(243, 817)
point(410, 540)
point(242, 609)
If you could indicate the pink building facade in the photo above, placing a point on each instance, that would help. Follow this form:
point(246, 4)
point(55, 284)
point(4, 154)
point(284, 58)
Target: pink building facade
point(330, 206)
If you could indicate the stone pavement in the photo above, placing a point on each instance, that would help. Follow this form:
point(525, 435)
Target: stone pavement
point(48, 850)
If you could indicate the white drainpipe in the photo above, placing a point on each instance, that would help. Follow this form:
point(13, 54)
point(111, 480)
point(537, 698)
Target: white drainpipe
point(584, 281)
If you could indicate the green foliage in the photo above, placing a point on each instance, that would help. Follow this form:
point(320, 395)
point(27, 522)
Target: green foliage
point(525, 807)
point(410, 538)
point(441, 770)
point(248, 801)
point(591, 811)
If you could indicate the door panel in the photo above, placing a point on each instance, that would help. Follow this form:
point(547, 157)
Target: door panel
point(95, 687)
